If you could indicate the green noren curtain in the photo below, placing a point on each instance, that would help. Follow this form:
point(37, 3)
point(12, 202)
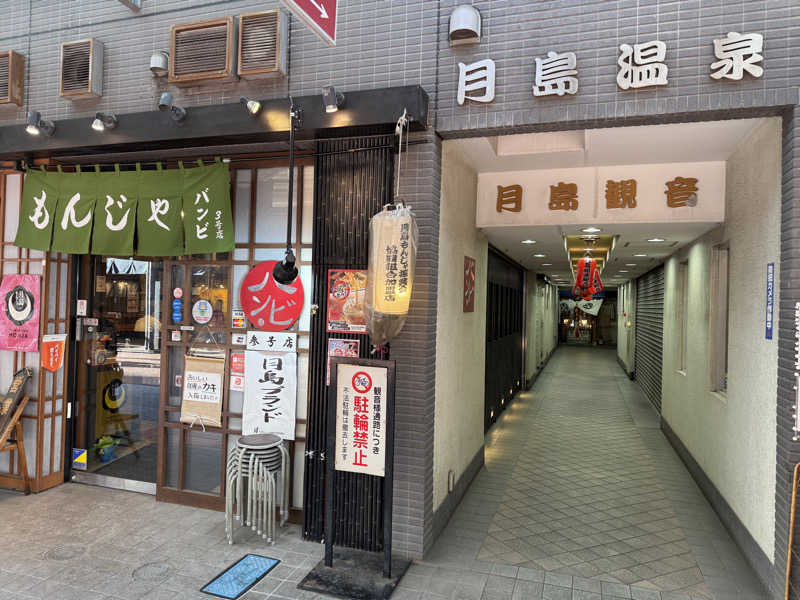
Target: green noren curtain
point(161, 212)
point(115, 212)
point(160, 230)
point(37, 210)
point(207, 221)
point(76, 199)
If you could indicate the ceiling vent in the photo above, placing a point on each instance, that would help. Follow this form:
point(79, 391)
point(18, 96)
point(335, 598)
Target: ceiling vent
point(12, 78)
point(263, 44)
point(81, 69)
point(202, 51)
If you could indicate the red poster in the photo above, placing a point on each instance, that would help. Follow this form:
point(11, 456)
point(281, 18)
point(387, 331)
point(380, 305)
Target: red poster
point(347, 290)
point(52, 353)
point(19, 318)
point(269, 305)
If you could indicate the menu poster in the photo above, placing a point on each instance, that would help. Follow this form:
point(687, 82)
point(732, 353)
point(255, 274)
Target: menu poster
point(337, 347)
point(347, 290)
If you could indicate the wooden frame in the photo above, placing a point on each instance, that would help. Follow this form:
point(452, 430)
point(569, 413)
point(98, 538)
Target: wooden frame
point(94, 86)
point(16, 79)
point(168, 414)
point(224, 74)
point(50, 401)
point(281, 46)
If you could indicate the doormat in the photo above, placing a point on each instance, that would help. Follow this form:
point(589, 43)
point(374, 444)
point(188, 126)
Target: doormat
point(356, 575)
point(240, 576)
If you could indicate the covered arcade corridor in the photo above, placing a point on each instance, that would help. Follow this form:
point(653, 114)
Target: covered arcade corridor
point(582, 496)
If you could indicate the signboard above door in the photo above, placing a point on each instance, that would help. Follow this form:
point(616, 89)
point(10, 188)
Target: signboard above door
point(649, 193)
point(318, 15)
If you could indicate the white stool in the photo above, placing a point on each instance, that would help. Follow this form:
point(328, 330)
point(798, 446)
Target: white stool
point(256, 458)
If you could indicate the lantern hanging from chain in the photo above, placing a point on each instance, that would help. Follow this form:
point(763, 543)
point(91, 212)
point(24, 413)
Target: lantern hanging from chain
point(392, 258)
point(587, 279)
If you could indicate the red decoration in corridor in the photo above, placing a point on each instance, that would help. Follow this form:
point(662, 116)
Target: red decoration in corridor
point(587, 279)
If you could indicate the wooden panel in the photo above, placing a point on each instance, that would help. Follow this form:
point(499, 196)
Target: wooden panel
point(12, 78)
point(48, 397)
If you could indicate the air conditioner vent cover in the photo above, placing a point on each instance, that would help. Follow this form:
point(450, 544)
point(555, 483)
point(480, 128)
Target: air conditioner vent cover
point(262, 44)
point(202, 51)
point(81, 69)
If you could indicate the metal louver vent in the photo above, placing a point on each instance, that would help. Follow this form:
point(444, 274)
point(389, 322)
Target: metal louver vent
point(202, 51)
point(5, 59)
point(262, 44)
point(81, 69)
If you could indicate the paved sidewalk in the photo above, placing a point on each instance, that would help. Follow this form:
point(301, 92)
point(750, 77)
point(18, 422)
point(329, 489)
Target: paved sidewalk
point(77, 542)
point(582, 498)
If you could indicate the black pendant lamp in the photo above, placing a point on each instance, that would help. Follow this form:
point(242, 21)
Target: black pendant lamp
point(285, 272)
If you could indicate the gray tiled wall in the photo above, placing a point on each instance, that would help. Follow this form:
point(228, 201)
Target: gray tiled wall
point(397, 42)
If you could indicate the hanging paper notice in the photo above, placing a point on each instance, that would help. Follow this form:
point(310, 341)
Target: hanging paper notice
point(361, 419)
point(346, 294)
point(52, 352)
point(202, 391)
point(208, 223)
point(19, 319)
point(37, 211)
point(590, 307)
point(270, 393)
point(337, 347)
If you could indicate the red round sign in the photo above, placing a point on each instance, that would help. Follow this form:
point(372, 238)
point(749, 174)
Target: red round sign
point(362, 382)
point(269, 305)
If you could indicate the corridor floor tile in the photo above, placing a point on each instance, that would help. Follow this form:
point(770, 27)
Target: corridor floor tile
point(581, 486)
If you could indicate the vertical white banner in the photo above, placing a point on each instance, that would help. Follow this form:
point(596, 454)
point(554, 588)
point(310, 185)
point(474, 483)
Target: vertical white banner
point(270, 393)
point(361, 419)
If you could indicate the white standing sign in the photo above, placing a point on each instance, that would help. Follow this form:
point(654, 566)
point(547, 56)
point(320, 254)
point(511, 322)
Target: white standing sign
point(270, 393)
point(361, 419)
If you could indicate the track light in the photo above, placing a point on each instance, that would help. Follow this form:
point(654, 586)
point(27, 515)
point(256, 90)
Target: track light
point(253, 106)
point(36, 125)
point(332, 99)
point(177, 113)
point(103, 121)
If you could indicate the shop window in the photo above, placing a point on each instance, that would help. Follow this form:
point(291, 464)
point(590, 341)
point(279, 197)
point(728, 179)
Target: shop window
point(683, 316)
point(719, 319)
point(193, 457)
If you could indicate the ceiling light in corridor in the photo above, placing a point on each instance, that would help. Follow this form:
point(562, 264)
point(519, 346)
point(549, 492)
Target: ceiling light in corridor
point(528, 241)
point(547, 264)
point(539, 255)
point(591, 230)
point(656, 240)
point(640, 255)
point(630, 264)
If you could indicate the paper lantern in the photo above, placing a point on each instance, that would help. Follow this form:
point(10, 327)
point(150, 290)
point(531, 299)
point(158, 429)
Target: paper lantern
point(390, 279)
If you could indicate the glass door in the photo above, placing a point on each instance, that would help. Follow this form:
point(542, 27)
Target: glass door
point(119, 373)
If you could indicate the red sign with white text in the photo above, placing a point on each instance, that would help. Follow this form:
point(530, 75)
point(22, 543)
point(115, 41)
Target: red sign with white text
point(269, 305)
point(318, 15)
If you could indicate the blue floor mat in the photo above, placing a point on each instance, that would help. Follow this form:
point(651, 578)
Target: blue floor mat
point(240, 577)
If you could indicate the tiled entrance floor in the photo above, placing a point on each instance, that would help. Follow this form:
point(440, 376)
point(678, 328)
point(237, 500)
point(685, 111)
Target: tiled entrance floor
point(582, 498)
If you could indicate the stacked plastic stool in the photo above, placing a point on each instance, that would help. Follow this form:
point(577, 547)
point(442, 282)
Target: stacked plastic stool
point(253, 466)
